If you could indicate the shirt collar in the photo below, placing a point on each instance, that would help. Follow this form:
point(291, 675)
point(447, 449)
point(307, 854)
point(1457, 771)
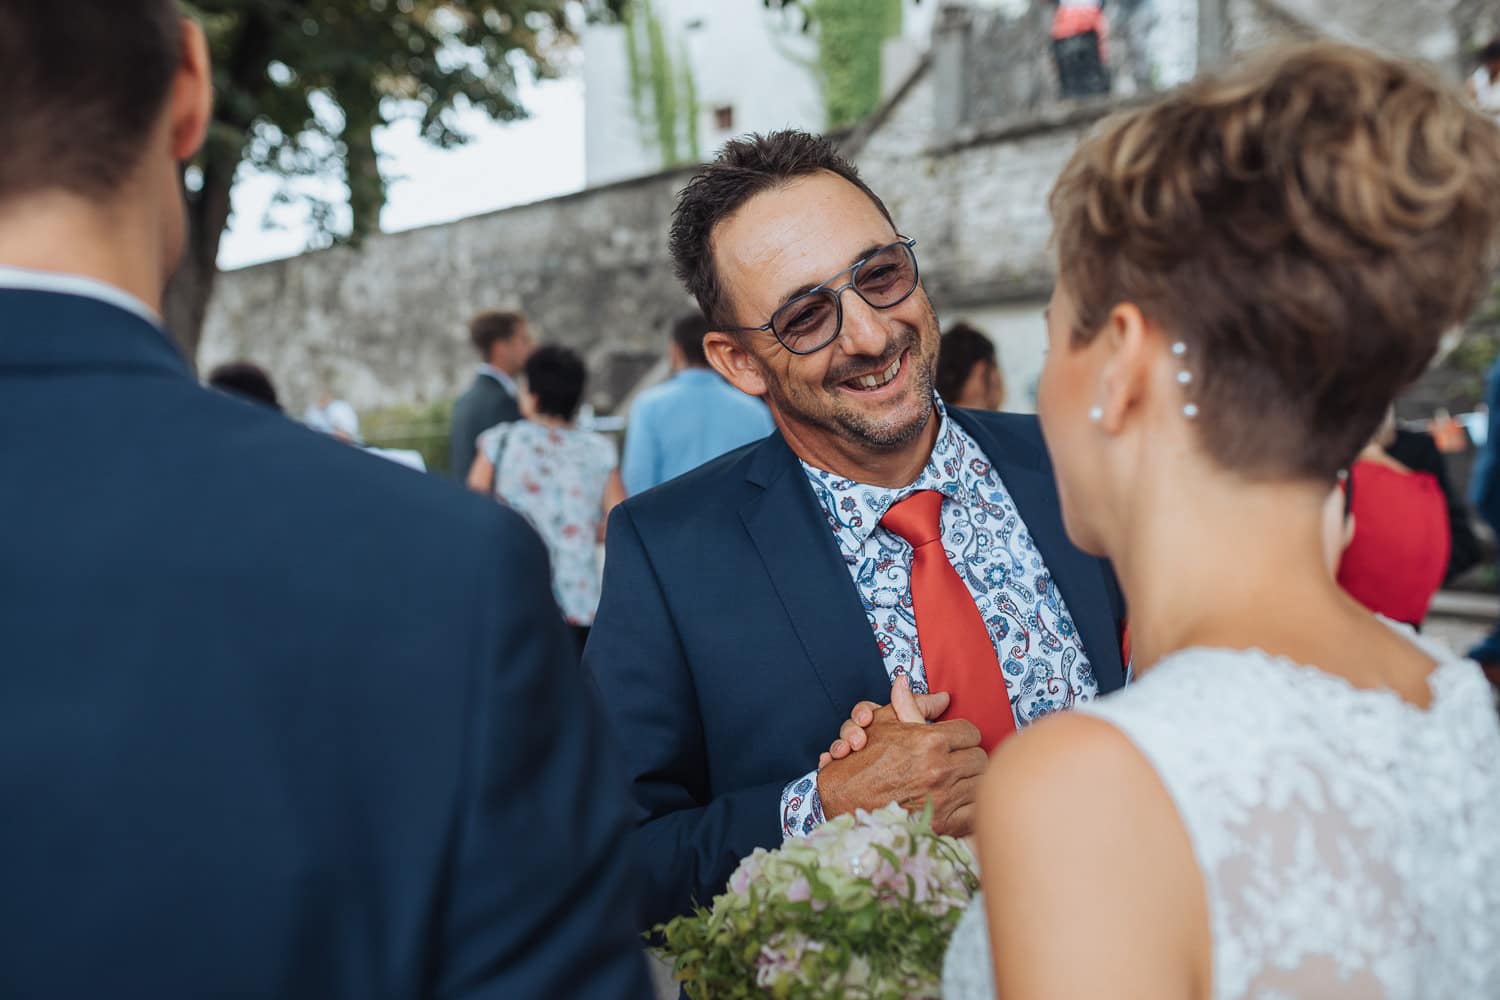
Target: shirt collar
point(506, 382)
point(854, 509)
point(27, 279)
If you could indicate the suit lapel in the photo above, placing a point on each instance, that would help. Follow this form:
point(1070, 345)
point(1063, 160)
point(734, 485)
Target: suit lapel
point(1080, 577)
point(802, 559)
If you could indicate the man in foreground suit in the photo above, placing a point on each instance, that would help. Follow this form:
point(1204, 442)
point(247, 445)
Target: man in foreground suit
point(277, 718)
point(503, 341)
point(749, 605)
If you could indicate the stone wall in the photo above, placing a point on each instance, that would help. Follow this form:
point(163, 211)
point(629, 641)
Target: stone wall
point(385, 324)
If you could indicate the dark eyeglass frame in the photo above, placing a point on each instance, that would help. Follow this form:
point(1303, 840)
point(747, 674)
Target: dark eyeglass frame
point(837, 294)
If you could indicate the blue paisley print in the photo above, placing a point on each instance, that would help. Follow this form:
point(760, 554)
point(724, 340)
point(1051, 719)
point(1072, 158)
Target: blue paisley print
point(1045, 666)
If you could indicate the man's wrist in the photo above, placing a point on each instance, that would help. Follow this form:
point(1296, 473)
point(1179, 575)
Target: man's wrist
point(827, 806)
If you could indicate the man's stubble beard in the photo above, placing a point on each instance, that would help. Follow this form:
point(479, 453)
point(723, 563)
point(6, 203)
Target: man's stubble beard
point(854, 426)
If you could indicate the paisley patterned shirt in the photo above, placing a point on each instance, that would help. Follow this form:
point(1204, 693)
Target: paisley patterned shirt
point(1045, 666)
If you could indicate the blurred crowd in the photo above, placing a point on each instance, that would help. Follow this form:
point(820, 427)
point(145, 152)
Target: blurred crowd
point(516, 433)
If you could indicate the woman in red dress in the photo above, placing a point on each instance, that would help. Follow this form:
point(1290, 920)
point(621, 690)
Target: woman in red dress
point(1398, 556)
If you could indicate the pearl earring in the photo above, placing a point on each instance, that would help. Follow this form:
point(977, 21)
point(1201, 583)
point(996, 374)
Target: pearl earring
point(1096, 414)
point(1184, 379)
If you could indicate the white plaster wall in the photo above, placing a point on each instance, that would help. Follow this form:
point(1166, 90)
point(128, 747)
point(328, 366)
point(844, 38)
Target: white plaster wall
point(756, 61)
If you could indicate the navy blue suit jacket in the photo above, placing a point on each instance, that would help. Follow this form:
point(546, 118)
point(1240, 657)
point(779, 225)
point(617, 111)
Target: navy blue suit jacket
point(730, 644)
point(277, 718)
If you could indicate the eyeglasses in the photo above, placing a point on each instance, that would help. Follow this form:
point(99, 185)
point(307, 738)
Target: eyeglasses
point(812, 320)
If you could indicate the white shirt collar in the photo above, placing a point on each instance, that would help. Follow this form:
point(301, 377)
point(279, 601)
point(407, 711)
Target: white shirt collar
point(76, 284)
point(854, 509)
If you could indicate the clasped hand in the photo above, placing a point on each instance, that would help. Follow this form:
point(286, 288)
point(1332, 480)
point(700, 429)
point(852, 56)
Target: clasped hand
point(895, 752)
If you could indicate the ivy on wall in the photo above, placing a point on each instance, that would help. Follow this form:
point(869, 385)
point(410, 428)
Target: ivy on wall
point(663, 92)
point(850, 35)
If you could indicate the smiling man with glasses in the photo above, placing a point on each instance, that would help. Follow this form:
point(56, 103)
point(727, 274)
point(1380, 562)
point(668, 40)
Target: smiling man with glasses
point(877, 545)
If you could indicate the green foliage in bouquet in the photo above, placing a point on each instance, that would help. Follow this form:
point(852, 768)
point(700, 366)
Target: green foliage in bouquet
point(861, 908)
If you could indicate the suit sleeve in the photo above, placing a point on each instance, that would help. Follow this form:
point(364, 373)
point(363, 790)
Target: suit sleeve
point(461, 440)
point(542, 885)
point(689, 838)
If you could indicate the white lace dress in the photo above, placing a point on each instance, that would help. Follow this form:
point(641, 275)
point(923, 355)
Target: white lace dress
point(1350, 842)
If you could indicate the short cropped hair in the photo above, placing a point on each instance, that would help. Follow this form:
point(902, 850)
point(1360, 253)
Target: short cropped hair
point(492, 327)
point(1308, 225)
point(744, 168)
point(1491, 52)
point(688, 333)
point(960, 349)
point(556, 376)
point(82, 85)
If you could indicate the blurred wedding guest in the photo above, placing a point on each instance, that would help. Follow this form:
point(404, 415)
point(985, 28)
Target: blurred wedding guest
point(968, 370)
point(688, 420)
point(343, 421)
point(1079, 33)
point(1397, 557)
point(503, 340)
point(1484, 84)
point(1484, 489)
point(335, 752)
point(561, 479)
point(246, 380)
point(340, 420)
point(1418, 451)
point(315, 416)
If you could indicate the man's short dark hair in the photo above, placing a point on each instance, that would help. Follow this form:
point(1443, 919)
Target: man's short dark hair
point(246, 380)
point(493, 327)
point(82, 84)
point(744, 168)
point(556, 376)
point(1491, 52)
point(961, 348)
point(688, 333)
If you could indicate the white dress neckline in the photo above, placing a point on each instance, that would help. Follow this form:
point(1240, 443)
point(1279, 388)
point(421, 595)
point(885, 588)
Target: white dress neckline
point(1348, 840)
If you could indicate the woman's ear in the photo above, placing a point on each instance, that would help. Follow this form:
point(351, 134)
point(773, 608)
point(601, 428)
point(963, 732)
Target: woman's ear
point(1132, 349)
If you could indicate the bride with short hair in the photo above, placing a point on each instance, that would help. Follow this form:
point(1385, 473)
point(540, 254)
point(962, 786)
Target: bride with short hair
point(1294, 799)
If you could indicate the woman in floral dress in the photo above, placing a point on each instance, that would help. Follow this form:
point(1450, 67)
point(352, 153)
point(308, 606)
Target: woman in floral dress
point(561, 479)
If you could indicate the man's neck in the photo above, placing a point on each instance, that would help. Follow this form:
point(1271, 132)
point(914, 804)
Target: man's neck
point(888, 469)
point(62, 233)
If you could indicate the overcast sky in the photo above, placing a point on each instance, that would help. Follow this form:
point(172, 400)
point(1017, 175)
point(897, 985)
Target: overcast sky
point(503, 165)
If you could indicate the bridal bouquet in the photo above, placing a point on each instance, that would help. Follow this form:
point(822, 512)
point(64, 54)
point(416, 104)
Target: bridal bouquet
point(862, 907)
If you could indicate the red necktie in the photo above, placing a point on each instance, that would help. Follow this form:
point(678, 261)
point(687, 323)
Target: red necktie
point(956, 646)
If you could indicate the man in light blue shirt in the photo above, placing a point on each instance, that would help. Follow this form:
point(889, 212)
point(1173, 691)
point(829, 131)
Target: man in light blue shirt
point(694, 417)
